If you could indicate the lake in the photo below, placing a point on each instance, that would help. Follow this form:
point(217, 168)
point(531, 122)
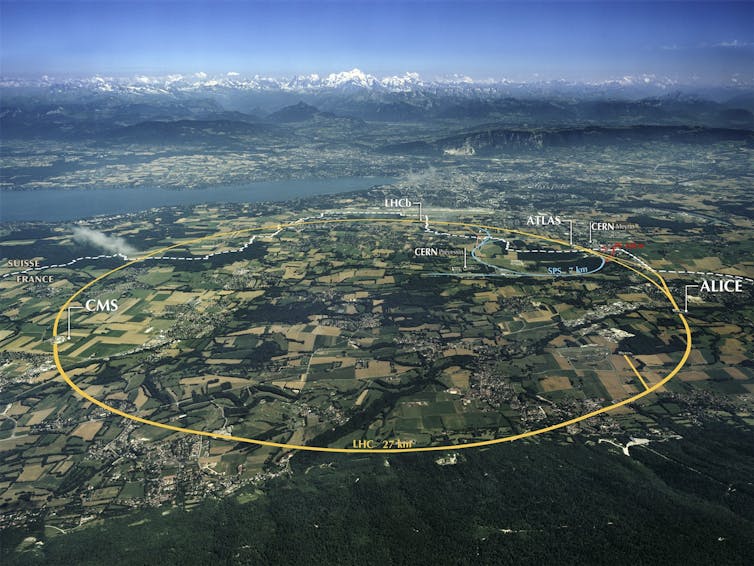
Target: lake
point(54, 205)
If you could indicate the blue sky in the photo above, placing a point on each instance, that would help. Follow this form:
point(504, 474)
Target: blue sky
point(708, 42)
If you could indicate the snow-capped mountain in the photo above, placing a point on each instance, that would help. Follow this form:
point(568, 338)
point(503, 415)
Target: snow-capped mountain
point(355, 79)
point(349, 81)
point(356, 93)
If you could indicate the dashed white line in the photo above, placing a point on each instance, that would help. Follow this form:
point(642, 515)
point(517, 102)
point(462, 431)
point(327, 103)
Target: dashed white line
point(321, 215)
point(685, 271)
point(153, 258)
point(709, 273)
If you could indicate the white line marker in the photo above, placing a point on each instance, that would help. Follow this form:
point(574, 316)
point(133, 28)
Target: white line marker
point(686, 297)
point(69, 319)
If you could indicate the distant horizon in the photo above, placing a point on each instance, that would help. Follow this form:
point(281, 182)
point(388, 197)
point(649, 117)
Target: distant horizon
point(708, 43)
point(203, 78)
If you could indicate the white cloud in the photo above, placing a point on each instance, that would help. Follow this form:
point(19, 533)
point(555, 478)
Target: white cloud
point(112, 244)
point(735, 44)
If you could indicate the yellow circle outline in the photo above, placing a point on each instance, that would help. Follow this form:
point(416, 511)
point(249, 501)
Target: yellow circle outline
point(659, 283)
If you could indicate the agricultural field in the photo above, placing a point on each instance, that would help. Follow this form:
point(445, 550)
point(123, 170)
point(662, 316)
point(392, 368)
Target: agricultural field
point(330, 335)
point(339, 334)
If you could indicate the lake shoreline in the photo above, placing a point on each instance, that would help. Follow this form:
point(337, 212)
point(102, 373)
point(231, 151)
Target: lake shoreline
point(59, 205)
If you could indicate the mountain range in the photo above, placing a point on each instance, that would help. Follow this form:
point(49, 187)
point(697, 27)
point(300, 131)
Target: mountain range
point(130, 108)
point(356, 80)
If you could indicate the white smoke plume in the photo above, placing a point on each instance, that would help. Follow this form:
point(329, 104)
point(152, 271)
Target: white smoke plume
point(112, 244)
point(427, 176)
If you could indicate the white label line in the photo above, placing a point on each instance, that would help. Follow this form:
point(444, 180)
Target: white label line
point(69, 319)
point(686, 297)
point(420, 210)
